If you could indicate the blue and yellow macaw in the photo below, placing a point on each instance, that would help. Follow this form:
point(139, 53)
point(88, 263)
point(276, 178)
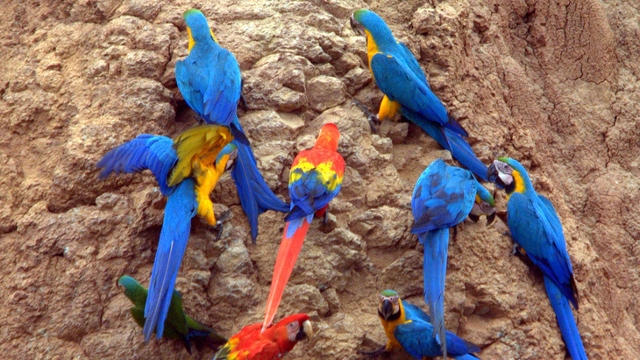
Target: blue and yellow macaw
point(178, 325)
point(315, 179)
point(536, 228)
point(186, 170)
point(409, 328)
point(443, 197)
point(399, 76)
point(210, 82)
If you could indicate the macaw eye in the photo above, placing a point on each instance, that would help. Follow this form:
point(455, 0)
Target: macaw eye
point(503, 168)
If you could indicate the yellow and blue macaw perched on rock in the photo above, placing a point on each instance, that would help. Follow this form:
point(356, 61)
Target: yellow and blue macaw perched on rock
point(406, 90)
point(443, 197)
point(210, 82)
point(408, 327)
point(178, 325)
point(186, 169)
point(536, 228)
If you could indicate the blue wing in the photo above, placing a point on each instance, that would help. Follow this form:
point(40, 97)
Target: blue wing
point(255, 195)
point(412, 63)
point(397, 80)
point(309, 194)
point(416, 336)
point(543, 242)
point(209, 80)
point(180, 209)
point(146, 151)
point(443, 197)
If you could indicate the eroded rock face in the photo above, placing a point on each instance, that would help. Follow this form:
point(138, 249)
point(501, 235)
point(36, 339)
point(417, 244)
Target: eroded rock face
point(554, 84)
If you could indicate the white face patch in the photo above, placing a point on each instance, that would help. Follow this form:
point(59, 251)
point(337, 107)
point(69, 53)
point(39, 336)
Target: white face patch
point(506, 178)
point(292, 330)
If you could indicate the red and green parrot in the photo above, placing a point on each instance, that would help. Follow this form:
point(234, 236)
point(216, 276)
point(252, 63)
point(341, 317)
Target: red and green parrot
point(409, 328)
point(254, 343)
point(315, 179)
point(444, 196)
point(178, 325)
point(186, 170)
point(536, 228)
point(406, 90)
point(210, 82)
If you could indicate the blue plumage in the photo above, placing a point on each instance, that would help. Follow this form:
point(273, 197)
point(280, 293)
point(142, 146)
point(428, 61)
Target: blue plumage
point(157, 154)
point(400, 77)
point(443, 197)
point(176, 227)
point(209, 80)
point(536, 227)
point(417, 338)
point(144, 152)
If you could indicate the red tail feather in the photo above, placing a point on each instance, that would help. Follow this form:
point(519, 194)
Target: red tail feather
point(286, 259)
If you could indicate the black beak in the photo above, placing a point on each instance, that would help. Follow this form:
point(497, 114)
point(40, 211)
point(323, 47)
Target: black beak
point(493, 175)
point(491, 218)
point(387, 309)
point(474, 218)
point(355, 26)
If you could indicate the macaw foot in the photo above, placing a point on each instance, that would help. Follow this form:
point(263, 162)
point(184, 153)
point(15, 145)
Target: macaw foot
point(374, 122)
point(374, 353)
point(517, 249)
point(325, 218)
point(219, 224)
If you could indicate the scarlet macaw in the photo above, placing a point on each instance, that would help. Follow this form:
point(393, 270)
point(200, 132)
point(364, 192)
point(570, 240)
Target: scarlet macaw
point(536, 228)
point(314, 179)
point(186, 170)
point(399, 76)
point(178, 325)
point(251, 343)
point(443, 197)
point(408, 327)
point(210, 82)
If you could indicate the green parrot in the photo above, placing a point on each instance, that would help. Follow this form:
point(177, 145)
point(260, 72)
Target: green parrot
point(178, 325)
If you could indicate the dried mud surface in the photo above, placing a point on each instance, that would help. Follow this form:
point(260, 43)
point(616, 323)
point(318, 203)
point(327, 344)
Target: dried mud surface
point(552, 83)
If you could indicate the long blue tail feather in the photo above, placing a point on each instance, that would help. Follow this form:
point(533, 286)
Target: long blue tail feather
point(436, 243)
point(452, 141)
point(255, 195)
point(566, 321)
point(176, 227)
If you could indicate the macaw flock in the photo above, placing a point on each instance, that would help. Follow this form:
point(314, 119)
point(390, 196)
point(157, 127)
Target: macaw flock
point(188, 167)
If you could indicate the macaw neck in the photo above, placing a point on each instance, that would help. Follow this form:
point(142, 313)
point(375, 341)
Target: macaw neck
point(327, 141)
point(372, 47)
point(390, 326)
point(281, 336)
point(206, 41)
point(521, 184)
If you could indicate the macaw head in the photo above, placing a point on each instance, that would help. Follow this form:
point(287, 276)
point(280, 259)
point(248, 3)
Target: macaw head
point(328, 137)
point(298, 327)
point(389, 308)
point(366, 22)
point(484, 205)
point(509, 174)
point(228, 153)
point(197, 27)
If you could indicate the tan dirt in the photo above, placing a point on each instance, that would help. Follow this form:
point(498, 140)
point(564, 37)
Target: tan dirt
point(552, 83)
